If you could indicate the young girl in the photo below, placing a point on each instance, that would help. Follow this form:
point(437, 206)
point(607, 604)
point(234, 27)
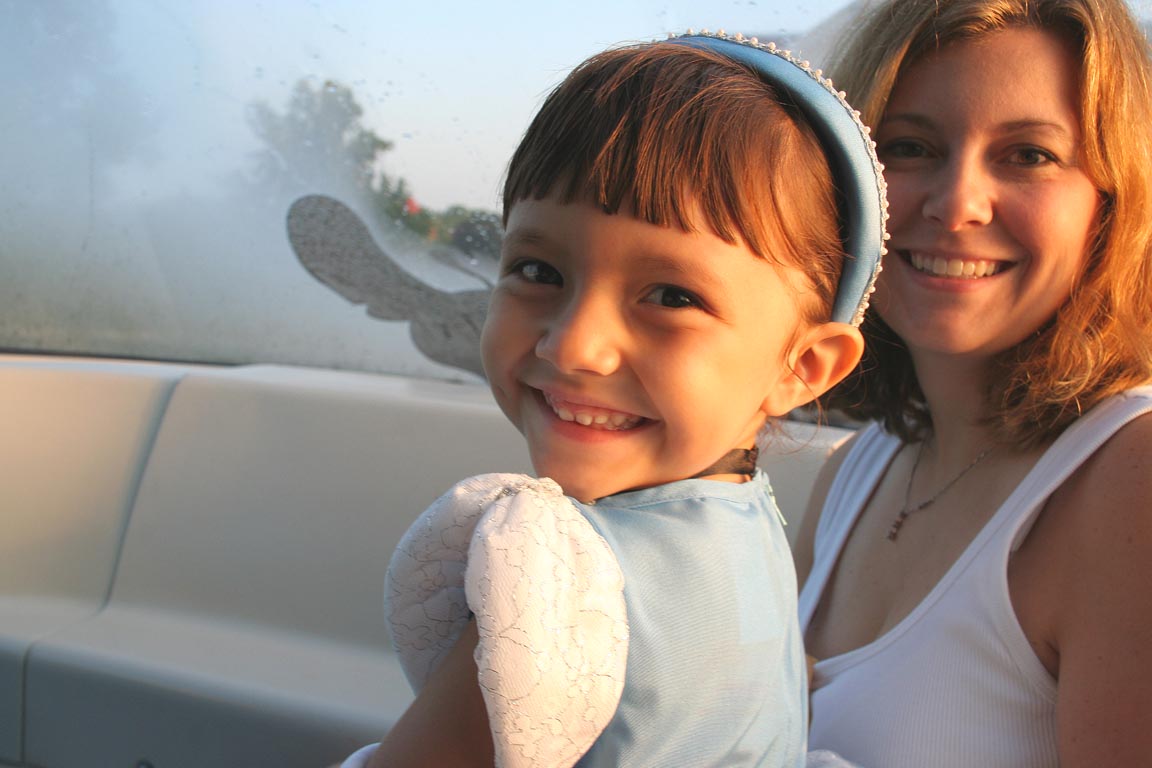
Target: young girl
point(692, 231)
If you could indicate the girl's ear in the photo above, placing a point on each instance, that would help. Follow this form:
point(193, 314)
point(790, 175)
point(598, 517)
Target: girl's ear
point(822, 356)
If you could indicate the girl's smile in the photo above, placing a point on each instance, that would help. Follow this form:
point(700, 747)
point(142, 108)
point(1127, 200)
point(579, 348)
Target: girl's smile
point(591, 416)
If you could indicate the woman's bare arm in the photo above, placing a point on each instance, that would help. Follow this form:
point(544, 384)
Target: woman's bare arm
point(1099, 529)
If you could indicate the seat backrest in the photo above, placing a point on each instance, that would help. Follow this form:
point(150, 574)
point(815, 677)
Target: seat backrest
point(276, 496)
point(73, 443)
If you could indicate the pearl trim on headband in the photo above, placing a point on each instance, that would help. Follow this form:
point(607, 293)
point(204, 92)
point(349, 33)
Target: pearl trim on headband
point(872, 253)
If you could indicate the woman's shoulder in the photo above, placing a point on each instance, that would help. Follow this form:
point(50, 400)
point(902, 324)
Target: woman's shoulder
point(1112, 488)
point(1101, 512)
point(1109, 487)
point(1098, 518)
point(1094, 539)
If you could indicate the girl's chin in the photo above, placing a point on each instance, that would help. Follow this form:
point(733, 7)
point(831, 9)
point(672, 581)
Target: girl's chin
point(585, 492)
point(582, 488)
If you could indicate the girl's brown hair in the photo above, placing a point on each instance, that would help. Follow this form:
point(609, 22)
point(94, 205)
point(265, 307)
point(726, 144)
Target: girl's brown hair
point(1100, 342)
point(681, 137)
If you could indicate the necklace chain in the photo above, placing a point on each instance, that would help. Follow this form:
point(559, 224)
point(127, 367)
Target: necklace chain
point(894, 530)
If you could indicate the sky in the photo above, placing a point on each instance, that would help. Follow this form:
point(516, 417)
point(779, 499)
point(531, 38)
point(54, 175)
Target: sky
point(451, 84)
point(489, 92)
point(485, 94)
point(454, 84)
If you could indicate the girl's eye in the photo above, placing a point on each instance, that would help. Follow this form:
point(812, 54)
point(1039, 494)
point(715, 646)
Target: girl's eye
point(672, 297)
point(537, 272)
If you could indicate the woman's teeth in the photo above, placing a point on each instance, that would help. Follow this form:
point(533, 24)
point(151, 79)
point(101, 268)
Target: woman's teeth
point(963, 268)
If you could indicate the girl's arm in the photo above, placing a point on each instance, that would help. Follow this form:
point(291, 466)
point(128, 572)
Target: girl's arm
point(447, 724)
point(1096, 537)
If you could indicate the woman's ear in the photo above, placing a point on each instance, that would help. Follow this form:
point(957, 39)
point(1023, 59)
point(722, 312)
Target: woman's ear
point(822, 356)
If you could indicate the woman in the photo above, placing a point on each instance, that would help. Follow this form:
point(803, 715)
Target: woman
point(976, 586)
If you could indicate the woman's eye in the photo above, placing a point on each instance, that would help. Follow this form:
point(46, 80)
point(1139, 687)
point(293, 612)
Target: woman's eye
point(902, 149)
point(537, 272)
point(1032, 156)
point(673, 297)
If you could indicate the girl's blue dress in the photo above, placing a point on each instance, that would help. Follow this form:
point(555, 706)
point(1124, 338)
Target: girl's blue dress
point(653, 627)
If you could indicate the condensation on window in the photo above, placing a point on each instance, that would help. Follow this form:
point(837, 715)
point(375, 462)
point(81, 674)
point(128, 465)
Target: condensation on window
point(306, 183)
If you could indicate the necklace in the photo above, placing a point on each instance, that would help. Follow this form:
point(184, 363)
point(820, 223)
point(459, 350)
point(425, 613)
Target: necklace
point(738, 461)
point(894, 531)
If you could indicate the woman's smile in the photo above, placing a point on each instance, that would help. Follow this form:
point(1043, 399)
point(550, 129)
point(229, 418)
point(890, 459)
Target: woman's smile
point(952, 266)
point(992, 215)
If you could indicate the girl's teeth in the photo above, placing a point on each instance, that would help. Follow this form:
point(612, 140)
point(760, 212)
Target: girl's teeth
point(610, 421)
point(618, 420)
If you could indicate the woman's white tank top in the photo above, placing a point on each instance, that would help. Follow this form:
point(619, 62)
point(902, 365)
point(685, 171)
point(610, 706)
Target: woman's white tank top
point(956, 682)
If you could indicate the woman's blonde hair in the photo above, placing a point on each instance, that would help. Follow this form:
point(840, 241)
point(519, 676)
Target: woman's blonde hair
point(1100, 341)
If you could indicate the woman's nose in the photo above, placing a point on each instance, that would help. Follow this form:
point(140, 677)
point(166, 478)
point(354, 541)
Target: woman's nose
point(959, 196)
point(582, 338)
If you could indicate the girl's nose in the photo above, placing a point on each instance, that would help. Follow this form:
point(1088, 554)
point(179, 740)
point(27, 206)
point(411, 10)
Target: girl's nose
point(582, 339)
point(958, 197)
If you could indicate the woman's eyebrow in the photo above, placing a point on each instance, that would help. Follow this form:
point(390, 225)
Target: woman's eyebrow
point(913, 118)
point(1031, 124)
point(1022, 124)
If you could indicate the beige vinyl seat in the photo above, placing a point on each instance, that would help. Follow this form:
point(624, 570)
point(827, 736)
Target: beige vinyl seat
point(198, 575)
point(72, 449)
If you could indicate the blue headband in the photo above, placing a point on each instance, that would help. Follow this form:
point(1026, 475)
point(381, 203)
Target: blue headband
point(851, 155)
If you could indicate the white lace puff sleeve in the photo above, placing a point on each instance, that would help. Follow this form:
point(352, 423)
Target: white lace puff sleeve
point(548, 597)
